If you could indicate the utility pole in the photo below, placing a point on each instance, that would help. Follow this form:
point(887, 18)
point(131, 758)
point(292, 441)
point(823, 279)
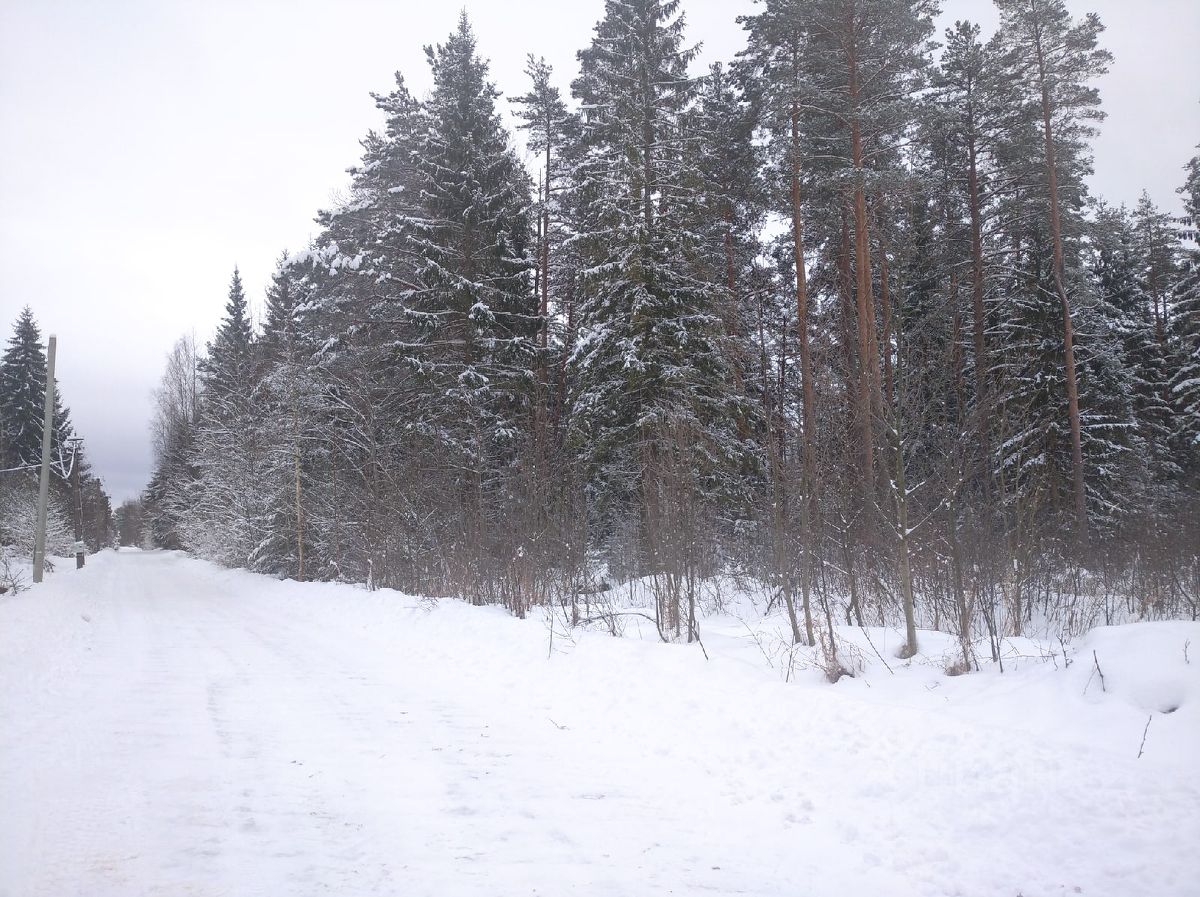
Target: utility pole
point(39, 545)
point(75, 442)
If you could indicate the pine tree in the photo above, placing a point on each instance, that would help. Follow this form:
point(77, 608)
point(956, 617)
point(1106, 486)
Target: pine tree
point(1157, 246)
point(771, 70)
point(553, 489)
point(863, 65)
point(973, 108)
point(1053, 59)
point(543, 114)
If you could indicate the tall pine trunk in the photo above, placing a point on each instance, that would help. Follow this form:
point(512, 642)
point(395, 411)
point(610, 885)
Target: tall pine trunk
point(868, 347)
point(1081, 530)
point(806, 384)
point(980, 337)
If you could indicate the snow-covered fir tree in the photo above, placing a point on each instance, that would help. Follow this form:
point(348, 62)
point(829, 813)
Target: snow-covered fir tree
point(23, 399)
point(1185, 338)
point(226, 511)
point(654, 405)
point(288, 408)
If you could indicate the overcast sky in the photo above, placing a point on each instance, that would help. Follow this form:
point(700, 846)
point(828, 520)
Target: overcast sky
point(148, 146)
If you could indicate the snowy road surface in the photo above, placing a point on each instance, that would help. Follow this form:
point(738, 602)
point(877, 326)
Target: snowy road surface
point(170, 728)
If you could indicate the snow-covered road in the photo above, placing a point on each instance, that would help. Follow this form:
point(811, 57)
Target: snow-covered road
point(171, 728)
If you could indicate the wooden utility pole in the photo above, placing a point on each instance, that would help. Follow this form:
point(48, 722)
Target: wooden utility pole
point(39, 543)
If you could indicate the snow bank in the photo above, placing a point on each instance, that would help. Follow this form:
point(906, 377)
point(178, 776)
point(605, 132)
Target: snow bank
point(177, 728)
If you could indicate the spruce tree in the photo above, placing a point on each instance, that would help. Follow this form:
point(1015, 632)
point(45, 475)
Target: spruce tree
point(653, 405)
point(360, 275)
point(1185, 348)
point(228, 368)
point(226, 514)
point(1122, 377)
point(729, 213)
point(1157, 247)
point(472, 242)
point(288, 409)
point(23, 399)
point(478, 316)
point(1185, 341)
point(543, 114)
point(1138, 270)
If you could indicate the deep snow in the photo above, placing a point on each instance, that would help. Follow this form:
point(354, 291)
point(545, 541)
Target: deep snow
point(170, 728)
